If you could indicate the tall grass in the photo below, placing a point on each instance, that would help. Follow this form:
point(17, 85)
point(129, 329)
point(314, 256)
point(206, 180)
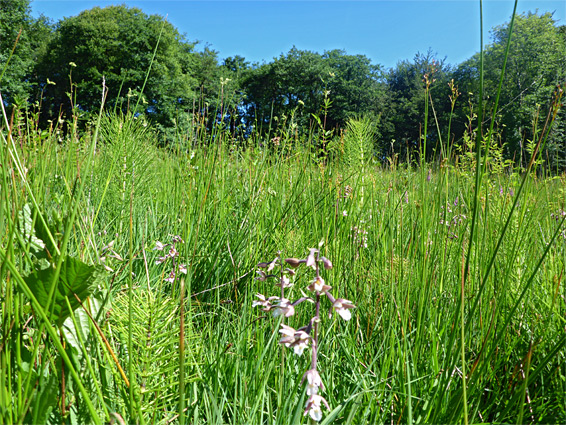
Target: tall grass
point(457, 278)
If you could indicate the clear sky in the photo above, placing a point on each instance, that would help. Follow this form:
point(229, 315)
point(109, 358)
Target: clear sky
point(385, 31)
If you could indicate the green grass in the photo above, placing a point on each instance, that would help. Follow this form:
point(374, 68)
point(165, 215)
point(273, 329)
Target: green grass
point(400, 357)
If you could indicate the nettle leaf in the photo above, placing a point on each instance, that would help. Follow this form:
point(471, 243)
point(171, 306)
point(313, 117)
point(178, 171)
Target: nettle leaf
point(76, 277)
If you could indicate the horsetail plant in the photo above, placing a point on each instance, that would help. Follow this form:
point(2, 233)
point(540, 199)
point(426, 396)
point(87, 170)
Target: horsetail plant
point(307, 336)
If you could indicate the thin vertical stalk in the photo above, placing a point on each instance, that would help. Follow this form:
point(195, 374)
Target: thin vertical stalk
point(409, 387)
point(478, 149)
point(131, 376)
point(479, 167)
point(423, 137)
point(182, 355)
point(463, 339)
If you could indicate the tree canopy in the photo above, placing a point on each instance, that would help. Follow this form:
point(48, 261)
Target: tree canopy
point(407, 89)
point(300, 80)
point(22, 39)
point(117, 43)
point(64, 65)
point(536, 65)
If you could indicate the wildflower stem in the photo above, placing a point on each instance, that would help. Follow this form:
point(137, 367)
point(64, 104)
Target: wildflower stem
point(317, 318)
point(300, 339)
point(281, 274)
point(282, 368)
point(315, 331)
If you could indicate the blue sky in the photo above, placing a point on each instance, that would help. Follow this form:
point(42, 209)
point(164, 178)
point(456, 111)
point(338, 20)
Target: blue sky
point(385, 31)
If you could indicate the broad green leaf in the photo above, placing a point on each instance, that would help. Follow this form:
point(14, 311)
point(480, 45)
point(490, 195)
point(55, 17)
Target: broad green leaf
point(75, 278)
point(332, 415)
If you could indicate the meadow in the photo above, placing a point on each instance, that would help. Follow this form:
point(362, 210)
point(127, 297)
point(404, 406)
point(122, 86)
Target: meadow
point(129, 273)
point(449, 326)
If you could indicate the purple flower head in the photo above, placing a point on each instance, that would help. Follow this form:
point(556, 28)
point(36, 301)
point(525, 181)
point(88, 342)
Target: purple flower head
point(314, 382)
point(283, 308)
point(264, 302)
point(318, 285)
point(298, 340)
point(171, 277)
point(314, 407)
point(284, 281)
point(311, 260)
point(342, 307)
point(262, 276)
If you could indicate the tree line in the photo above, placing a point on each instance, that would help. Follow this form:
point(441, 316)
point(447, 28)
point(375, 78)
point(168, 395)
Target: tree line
point(58, 69)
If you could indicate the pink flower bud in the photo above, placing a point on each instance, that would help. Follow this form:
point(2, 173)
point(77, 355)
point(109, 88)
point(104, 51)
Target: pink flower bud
point(327, 263)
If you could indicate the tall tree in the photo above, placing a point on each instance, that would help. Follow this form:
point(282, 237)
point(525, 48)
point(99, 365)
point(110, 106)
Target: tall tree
point(117, 43)
point(291, 81)
point(236, 64)
point(218, 88)
point(536, 65)
point(357, 87)
point(21, 39)
point(298, 81)
point(407, 86)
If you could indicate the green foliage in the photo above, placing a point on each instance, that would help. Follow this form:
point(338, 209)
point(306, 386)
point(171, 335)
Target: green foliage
point(44, 402)
point(22, 39)
point(459, 316)
point(75, 278)
point(276, 88)
point(117, 43)
point(128, 164)
point(496, 161)
point(359, 142)
point(155, 329)
point(189, 90)
point(27, 231)
point(408, 92)
point(356, 85)
point(536, 64)
point(302, 77)
point(397, 254)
